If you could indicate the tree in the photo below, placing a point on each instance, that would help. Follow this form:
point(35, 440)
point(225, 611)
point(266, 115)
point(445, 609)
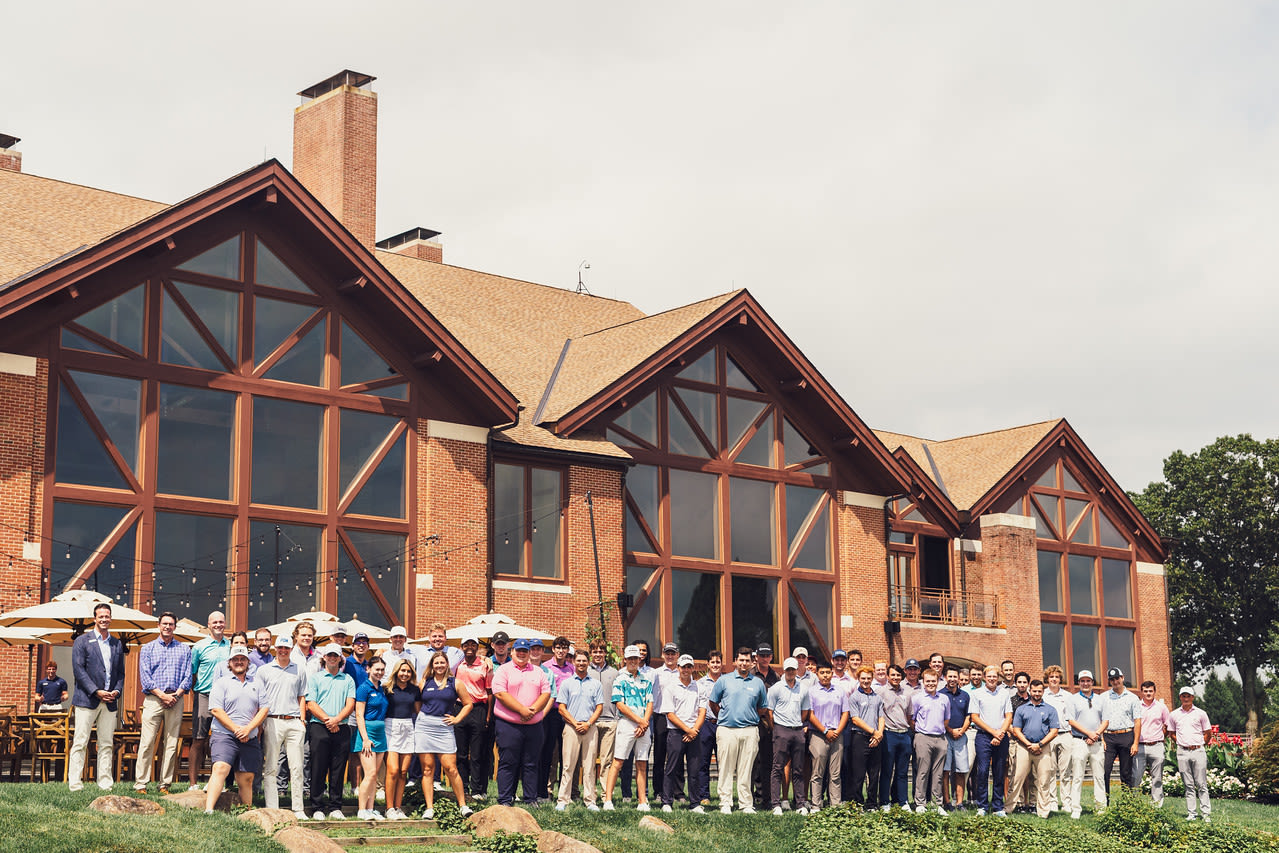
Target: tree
point(1220, 508)
point(1222, 700)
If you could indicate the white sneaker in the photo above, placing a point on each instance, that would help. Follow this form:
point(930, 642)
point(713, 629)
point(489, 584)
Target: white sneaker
point(980, 812)
point(429, 814)
point(941, 811)
point(1207, 819)
point(725, 809)
point(698, 810)
point(380, 796)
point(466, 811)
point(319, 815)
point(376, 815)
point(642, 807)
point(1076, 814)
point(300, 815)
point(920, 809)
point(785, 805)
point(748, 810)
point(336, 814)
point(1001, 813)
point(608, 805)
point(559, 807)
point(885, 808)
point(666, 808)
point(439, 786)
point(591, 807)
point(777, 811)
point(362, 814)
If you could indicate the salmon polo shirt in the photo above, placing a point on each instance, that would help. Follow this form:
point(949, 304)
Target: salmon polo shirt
point(525, 684)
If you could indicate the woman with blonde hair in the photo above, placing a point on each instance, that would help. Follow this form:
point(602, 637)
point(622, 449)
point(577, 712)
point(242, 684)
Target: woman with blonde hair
point(403, 700)
point(433, 731)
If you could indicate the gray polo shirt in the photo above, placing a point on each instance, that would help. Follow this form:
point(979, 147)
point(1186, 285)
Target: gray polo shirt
point(788, 704)
point(240, 701)
point(867, 707)
point(281, 688)
point(704, 685)
point(605, 677)
point(684, 700)
point(896, 707)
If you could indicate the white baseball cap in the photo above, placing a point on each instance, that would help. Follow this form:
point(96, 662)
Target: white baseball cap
point(631, 652)
point(331, 649)
point(238, 652)
point(284, 641)
point(790, 663)
point(684, 660)
point(799, 650)
point(1186, 691)
point(398, 631)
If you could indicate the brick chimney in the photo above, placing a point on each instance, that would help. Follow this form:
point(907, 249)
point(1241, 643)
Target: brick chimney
point(335, 149)
point(10, 160)
point(416, 243)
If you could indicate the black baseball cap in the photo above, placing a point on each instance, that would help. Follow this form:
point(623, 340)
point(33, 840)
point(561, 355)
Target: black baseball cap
point(500, 637)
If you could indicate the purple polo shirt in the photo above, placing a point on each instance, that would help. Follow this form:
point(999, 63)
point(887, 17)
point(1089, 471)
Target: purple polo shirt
point(525, 684)
point(828, 704)
point(561, 674)
point(930, 713)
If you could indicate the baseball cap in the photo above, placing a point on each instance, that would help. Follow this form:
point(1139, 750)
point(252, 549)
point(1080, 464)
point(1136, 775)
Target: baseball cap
point(360, 635)
point(535, 643)
point(670, 647)
point(1115, 672)
point(911, 662)
point(331, 649)
point(1186, 691)
point(684, 660)
point(471, 640)
point(338, 630)
point(631, 652)
point(500, 637)
point(839, 653)
point(790, 663)
point(764, 649)
point(1085, 673)
point(799, 650)
point(238, 652)
point(284, 641)
point(398, 631)
point(523, 643)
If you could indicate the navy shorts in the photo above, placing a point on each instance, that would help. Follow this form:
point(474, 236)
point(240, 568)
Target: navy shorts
point(243, 757)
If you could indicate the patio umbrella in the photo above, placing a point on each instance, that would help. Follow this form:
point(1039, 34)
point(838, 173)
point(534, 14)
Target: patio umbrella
point(22, 637)
point(73, 611)
point(356, 626)
point(484, 626)
point(187, 631)
point(325, 623)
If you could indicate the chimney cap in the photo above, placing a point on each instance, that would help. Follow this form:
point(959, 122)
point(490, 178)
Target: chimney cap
point(390, 244)
point(7, 141)
point(342, 78)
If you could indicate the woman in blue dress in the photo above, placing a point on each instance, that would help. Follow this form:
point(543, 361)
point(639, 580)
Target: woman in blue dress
point(370, 738)
point(433, 732)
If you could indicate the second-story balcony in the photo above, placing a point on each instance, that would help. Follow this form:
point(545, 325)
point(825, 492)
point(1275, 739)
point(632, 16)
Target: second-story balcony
point(945, 606)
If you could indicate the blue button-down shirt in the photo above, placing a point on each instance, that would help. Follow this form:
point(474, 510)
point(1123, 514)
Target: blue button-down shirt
point(739, 700)
point(165, 667)
point(581, 696)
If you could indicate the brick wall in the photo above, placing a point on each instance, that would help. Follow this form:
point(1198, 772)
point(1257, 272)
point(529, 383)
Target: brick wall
point(23, 402)
point(1154, 655)
point(335, 156)
point(863, 579)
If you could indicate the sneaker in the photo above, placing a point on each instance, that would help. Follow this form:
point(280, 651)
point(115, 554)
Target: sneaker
point(439, 786)
point(301, 816)
point(980, 812)
point(748, 810)
point(777, 810)
point(336, 814)
point(785, 805)
point(725, 809)
point(697, 810)
point(920, 809)
point(1076, 814)
point(1001, 813)
point(362, 814)
point(942, 811)
point(410, 784)
point(429, 814)
point(1207, 819)
point(591, 807)
point(376, 815)
point(667, 809)
point(643, 807)
point(319, 815)
point(466, 811)
point(196, 787)
point(164, 790)
point(208, 811)
point(885, 808)
point(139, 789)
point(608, 805)
point(559, 807)
point(479, 798)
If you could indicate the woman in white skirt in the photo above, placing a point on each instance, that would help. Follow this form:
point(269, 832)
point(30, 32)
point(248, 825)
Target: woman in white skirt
point(433, 731)
point(403, 699)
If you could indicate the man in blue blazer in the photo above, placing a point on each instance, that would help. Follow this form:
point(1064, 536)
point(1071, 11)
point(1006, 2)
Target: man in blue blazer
point(97, 660)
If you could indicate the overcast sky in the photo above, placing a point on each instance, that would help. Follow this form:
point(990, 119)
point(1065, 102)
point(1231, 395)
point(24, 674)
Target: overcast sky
point(969, 216)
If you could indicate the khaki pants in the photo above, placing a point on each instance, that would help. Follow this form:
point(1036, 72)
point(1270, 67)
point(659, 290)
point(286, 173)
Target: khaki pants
point(290, 734)
point(736, 750)
point(1063, 750)
point(605, 733)
point(85, 720)
point(1039, 771)
point(824, 757)
point(577, 746)
point(1016, 791)
point(155, 716)
point(1094, 757)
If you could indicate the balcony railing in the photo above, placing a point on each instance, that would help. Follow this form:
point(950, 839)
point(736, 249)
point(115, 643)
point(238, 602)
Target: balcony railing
point(921, 604)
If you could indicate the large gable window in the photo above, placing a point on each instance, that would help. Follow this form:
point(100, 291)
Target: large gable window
point(729, 536)
point(227, 439)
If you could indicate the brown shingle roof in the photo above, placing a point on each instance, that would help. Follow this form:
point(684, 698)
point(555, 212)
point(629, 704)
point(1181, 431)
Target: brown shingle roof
point(972, 464)
point(45, 219)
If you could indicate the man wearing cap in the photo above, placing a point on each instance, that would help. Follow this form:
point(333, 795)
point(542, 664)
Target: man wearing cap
point(282, 688)
point(1148, 750)
point(1087, 728)
point(330, 699)
point(261, 654)
point(701, 792)
point(788, 701)
point(238, 711)
point(664, 678)
point(684, 723)
point(522, 693)
point(164, 674)
point(911, 682)
point(865, 734)
point(740, 702)
point(761, 773)
point(205, 657)
point(1035, 726)
point(1120, 711)
point(827, 719)
point(991, 713)
point(401, 651)
point(1190, 726)
point(358, 662)
point(475, 676)
point(929, 714)
point(580, 703)
point(633, 696)
point(842, 675)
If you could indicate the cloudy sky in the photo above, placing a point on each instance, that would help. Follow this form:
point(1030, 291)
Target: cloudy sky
point(969, 216)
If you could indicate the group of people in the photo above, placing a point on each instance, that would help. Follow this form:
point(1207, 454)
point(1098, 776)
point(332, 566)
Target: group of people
point(817, 732)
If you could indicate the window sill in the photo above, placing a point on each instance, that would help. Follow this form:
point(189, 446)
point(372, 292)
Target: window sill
point(526, 586)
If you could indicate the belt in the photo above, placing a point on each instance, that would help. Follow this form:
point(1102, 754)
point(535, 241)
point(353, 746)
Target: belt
point(283, 716)
point(898, 731)
point(1189, 748)
point(790, 728)
point(926, 734)
point(1152, 743)
point(1118, 731)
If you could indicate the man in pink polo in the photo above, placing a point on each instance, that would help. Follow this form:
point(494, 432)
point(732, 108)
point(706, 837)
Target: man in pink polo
point(522, 693)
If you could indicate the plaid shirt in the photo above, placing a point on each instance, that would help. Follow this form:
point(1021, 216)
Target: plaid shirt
point(166, 668)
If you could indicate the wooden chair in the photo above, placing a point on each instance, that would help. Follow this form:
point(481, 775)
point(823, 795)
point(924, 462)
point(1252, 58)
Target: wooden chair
point(48, 740)
point(13, 745)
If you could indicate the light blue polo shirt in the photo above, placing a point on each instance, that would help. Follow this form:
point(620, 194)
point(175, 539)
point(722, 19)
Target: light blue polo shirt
point(739, 700)
point(330, 692)
point(581, 696)
point(1120, 711)
point(788, 704)
point(240, 700)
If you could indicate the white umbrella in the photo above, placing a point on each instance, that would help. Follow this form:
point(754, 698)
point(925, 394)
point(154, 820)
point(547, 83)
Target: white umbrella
point(187, 631)
point(73, 611)
point(21, 637)
point(484, 626)
point(356, 626)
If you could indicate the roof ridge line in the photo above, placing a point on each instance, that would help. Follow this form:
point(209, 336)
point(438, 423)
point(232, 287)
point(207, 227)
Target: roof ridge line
point(661, 313)
point(550, 383)
point(92, 189)
point(503, 277)
point(932, 463)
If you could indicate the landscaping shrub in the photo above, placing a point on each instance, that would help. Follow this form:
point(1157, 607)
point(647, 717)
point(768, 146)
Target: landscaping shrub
point(1263, 764)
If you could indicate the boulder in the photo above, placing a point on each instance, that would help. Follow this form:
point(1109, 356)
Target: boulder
point(486, 823)
point(195, 800)
point(299, 839)
point(656, 824)
point(115, 804)
point(269, 820)
point(551, 841)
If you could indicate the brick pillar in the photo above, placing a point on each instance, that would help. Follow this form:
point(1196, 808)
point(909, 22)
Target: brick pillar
point(335, 150)
point(1009, 569)
point(862, 567)
point(1154, 660)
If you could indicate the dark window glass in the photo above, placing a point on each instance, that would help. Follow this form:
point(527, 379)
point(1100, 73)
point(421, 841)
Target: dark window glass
point(741, 414)
point(816, 551)
point(759, 450)
point(818, 599)
point(304, 362)
point(272, 271)
point(695, 611)
point(797, 448)
point(70, 340)
point(117, 404)
point(753, 513)
point(180, 343)
point(737, 378)
point(384, 493)
point(1120, 652)
point(362, 434)
point(636, 538)
point(359, 362)
point(284, 571)
point(1116, 588)
point(508, 519)
point(192, 556)
point(694, 514)
point(545, 508)
point(393, 392)
point(705, 410)
point(1084, 648)
point(1016, 507)
point(645, 621)
point(801, 502)
point(702, 370)
point(1110, 535)
point(382, 555)
point(1078, 519)
point(287, 452)
point(223, 260)
point(1048, 479)
point(1050, 581)
point(196, 436)
point(273, 321)
point(642, 484)
point(1049, 504)
point(901, 538)
point(640, 420)
point(754, 612)
point(79, 532)
point(1083, 584)
point(683, 439)
point(80, 456)
point(121, 320)
point(219, 310)
point(1053, 637)
point(1069, 482)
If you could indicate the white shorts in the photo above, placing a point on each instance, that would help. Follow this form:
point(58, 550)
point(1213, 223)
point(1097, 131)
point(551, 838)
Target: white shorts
point(399, 736)
point(625, 741)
